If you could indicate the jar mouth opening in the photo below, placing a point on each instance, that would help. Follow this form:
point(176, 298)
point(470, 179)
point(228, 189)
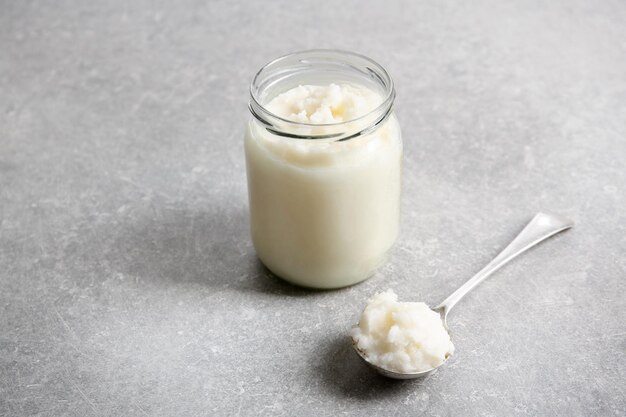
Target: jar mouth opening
point(279, 69)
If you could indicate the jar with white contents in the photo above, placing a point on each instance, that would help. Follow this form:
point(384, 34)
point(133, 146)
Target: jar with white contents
point(324, 160)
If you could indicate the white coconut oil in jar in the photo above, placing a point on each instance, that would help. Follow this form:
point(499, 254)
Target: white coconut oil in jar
point(324, 159)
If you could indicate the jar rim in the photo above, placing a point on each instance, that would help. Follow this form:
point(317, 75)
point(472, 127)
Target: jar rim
point(376, 71)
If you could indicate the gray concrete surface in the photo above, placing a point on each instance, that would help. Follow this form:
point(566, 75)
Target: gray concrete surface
point(128, 283)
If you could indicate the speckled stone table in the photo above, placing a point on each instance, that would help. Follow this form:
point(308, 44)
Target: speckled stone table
point(128, 283)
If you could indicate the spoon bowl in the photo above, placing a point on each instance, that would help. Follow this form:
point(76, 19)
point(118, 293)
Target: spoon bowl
point(541, 227)
point(408, 375)
point(393, 374)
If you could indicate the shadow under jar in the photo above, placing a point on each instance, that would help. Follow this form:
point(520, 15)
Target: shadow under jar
point(324, 198)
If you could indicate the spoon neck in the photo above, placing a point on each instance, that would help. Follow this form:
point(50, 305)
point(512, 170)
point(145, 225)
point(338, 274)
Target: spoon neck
point(446, 305)
point(541, 227)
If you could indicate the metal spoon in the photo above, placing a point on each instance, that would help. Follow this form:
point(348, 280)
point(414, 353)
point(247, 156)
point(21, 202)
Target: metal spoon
point(541, 227)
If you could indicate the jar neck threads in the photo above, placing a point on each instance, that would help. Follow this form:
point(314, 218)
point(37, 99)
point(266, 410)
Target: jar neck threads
point(320, 67)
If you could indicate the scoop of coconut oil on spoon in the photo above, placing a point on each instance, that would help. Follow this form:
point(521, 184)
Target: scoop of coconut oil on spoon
point(428, 355)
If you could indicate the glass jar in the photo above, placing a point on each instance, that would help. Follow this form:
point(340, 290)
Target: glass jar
point(324, 198)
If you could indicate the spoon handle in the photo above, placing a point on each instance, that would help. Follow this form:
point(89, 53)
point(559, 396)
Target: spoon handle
point(541, 227)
